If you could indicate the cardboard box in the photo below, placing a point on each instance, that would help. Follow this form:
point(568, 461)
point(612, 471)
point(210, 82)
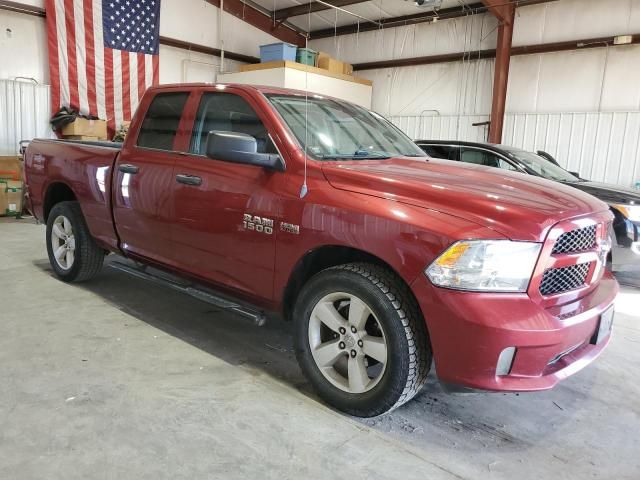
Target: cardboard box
point(326, 62)
point(84, 127)
point(11, 198)
point(10, 168)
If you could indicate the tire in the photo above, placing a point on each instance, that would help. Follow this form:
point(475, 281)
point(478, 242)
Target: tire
point(67, 232)
point(393, 319)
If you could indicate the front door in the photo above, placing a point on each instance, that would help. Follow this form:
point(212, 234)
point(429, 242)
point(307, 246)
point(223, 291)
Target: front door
point(143, 179)
point(226, 213)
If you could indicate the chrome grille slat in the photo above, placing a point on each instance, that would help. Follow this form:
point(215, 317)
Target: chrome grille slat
point(558, 280)
point(577, 240)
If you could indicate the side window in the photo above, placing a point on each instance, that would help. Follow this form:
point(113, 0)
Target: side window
point(445, 152)
point(160, 124)
point(480, 157)
point(503, 164)
point(229, 113)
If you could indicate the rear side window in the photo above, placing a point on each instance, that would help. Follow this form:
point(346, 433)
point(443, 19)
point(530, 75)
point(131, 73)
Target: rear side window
point(441, 151)
point(161, 122)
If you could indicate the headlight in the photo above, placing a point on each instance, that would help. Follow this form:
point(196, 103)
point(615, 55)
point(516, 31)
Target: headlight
point(632, 212)
point(485, 266)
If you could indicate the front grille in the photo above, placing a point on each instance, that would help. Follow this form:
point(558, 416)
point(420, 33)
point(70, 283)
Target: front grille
point(558, 280)
point(577, 240)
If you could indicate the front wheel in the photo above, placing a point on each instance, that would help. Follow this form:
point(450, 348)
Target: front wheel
point(360, 339)
point(73, 253)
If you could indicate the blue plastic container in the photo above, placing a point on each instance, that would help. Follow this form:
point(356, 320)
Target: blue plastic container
point(278, 51)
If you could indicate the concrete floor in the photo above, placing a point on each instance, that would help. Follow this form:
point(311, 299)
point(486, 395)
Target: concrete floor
point(117, 378)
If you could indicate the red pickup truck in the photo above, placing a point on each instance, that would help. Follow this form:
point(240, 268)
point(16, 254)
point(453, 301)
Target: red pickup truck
point(270, 200)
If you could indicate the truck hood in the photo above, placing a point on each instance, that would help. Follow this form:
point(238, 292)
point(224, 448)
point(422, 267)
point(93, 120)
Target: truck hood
point(520, 207)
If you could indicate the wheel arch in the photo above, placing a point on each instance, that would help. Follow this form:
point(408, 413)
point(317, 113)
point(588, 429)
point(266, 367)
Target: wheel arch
point(56, 192)
point(321, 258)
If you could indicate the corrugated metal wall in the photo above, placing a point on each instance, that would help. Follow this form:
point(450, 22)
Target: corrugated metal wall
point(601, 146)
point(24, 114)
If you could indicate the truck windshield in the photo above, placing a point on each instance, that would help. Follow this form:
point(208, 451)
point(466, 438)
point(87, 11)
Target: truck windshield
point(543, 167)
point(335, 130)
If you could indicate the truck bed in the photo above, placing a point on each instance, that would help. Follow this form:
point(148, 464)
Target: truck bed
point(86, 167)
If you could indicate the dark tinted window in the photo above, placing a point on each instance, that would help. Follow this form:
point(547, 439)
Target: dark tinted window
point(227, 112)
point(161, 121)
point(441, 151)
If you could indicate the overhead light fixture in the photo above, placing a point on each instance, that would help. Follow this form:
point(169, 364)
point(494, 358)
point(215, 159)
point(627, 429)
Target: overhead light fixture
point(623, 39)
point(427, 3)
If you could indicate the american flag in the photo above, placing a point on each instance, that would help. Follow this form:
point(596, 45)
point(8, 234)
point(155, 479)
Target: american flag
point(103, 54)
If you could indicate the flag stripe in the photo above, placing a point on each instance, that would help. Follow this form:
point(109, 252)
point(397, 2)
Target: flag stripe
point(71, 54)
point(133, 82)
point(117, 86)
point(63, 64)
point(142, 86)
point(156, 69)
point(126, 86)
point(81, 57)
point(90, 55)
point(52, 44)
point(98, 43)
point(148, 69)
point(108, 75)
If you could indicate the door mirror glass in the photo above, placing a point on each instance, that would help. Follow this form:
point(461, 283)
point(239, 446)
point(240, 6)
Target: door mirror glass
point(240, 148)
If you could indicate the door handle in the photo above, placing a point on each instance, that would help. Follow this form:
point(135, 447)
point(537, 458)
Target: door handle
point(128, 168)
point(188, 179)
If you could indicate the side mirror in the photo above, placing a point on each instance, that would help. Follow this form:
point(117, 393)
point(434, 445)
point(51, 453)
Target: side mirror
point(240, 148)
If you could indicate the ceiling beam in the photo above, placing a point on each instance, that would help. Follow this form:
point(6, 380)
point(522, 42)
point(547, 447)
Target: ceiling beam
point(296, 10)
point(22, 8)
point(262, 20)
point(443, 13)
point(429, 16)
point(589, 43)
point(216, 52)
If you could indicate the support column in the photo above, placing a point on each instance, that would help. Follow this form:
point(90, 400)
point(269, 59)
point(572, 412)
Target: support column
point(505, 13)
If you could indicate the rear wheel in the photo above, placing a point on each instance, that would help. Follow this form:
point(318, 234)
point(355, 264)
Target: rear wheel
point(73, 254)
point(360, 339)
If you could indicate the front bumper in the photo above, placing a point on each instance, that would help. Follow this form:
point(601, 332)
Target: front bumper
point(468, 332)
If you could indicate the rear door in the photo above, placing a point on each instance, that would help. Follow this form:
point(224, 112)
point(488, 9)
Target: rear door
point(226, 213)
point(144, 179)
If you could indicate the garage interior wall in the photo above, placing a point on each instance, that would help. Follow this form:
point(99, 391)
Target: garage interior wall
point(582, 106)
point(24, 105)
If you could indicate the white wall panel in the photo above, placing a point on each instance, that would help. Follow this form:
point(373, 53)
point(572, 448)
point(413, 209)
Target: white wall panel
point(178, 65)
point(575, 19)
point(447, 36)
point(601, 146)
point(23, 47)
point(443, 127)
point(448, 88)
point(196, 21)
point(24, 114)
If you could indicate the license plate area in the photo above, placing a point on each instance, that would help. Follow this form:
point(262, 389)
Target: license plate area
point(604, 326)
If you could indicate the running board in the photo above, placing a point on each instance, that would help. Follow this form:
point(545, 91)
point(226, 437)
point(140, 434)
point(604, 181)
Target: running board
point(258, 317)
